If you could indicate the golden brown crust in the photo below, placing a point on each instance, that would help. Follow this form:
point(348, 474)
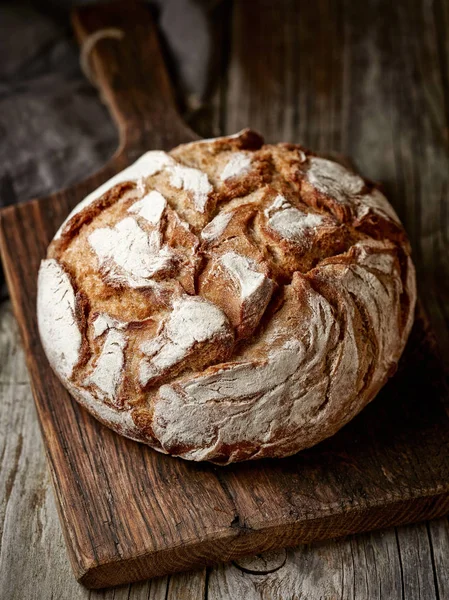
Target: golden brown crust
point(229, 300)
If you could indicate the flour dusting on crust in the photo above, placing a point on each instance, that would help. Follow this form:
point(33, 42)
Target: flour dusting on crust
point(151, 207)
point(245, 273)
point(192, 321)
point(104, 322)
point(333, 179)
point(238, 165)
point(108, 372)
point(194, 181)
point(56, 310)
point(376, 202)
point(279, 203)
point(216, 227)
point(127, 254)
point(289, 222)
point(292, 224)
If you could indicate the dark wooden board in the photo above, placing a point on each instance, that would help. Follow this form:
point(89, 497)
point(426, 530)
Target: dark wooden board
point(129, 513)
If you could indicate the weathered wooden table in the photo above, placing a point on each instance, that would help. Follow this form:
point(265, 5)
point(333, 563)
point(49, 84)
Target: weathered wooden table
point(367, 79)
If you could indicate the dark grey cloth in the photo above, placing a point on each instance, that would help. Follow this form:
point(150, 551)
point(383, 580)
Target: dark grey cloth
point(53, 128)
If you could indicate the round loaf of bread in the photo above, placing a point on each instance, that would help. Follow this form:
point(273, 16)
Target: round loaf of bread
point(228, 300)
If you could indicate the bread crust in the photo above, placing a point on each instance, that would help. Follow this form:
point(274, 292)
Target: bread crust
point(229, 300)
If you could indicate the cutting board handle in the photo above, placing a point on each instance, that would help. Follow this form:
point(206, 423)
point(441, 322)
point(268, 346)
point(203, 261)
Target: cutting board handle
point(120, 45)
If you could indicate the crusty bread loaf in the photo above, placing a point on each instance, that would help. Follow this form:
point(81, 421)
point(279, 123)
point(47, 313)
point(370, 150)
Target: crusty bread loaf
point(229, 300)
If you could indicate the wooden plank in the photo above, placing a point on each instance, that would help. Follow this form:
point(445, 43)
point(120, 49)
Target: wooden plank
point(33, 556)
point(188, 586)
point(376, 566)
point(439, 542)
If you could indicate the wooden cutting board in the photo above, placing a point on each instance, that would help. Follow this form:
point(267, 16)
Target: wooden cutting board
point(129, 513)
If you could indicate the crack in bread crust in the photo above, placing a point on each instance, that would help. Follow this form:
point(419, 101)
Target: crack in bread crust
point(228, 300)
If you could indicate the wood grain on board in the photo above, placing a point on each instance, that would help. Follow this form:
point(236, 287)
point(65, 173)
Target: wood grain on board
point(130, 513)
